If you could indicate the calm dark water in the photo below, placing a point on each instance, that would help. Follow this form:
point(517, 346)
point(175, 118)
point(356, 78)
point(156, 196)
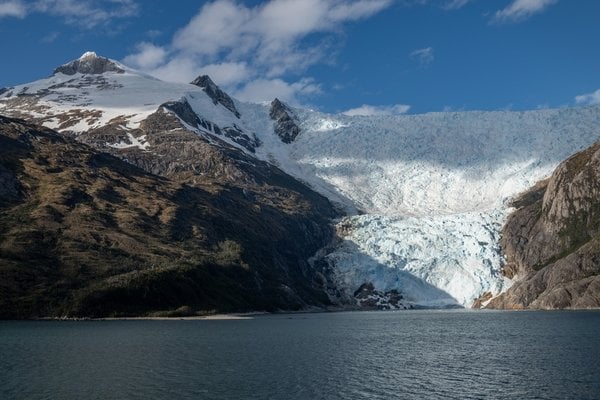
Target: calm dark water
point(374, 355)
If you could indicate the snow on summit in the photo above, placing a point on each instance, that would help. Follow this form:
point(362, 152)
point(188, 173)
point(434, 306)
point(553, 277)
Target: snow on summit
point(427, 195)
point(94, 91)
point(88, 54)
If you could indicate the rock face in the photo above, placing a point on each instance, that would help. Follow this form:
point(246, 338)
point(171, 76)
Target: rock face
point(84, 233)
point(552, 241)
point(286, 123)
point(367, 297)
point(184, 111)
point(215, 93)
point(89, 63)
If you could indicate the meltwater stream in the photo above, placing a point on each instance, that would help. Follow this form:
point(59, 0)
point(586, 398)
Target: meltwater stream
point(352, 355)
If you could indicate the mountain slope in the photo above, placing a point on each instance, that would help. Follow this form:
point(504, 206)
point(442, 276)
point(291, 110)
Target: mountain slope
point(426, 195)
point(552, 240)
point(83, 233)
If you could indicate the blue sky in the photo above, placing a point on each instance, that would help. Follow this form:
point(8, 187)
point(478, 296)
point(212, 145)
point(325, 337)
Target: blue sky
point(359, 57)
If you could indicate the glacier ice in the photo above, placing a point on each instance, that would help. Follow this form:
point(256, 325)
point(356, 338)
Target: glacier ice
point(432, 191)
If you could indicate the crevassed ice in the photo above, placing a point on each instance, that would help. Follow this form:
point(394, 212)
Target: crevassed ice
point(434, 190)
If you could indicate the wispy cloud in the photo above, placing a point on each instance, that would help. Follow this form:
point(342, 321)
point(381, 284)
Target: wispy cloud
point(366, 109)
point(51, 37)
point(455, 4)
point(12, 8)
point(258, 49)
point(424, 56)
point(86, 14)
point(589, 98)
point(227, 73)
point(267, 89)
point(153, 33)
point(520, 10)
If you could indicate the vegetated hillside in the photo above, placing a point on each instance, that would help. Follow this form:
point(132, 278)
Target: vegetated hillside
point(83, 233)
point(552, 240)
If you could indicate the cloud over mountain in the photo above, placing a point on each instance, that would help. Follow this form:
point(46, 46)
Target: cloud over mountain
point(274, 43)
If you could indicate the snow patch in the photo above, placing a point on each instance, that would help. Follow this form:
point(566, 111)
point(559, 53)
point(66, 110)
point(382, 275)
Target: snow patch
point(88, 54)
point(139, 142)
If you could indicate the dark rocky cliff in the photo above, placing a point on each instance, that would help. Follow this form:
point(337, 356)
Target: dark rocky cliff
point(552, 240)
point(216, 94)
point(286, 123)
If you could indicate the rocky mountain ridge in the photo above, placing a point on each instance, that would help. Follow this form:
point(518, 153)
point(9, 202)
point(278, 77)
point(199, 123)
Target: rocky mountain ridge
point(89, 63)
point(216, 94)
point(552, 240)
point(427, 195)
point(286, 122)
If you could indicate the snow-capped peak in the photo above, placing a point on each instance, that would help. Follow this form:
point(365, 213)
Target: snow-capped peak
point(88, 54)
point(90, 63)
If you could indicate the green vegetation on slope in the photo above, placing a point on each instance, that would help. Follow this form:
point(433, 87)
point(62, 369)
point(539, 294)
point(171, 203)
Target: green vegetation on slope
point(84, 234)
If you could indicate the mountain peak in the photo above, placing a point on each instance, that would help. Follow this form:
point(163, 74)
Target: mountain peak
point(88, 55)
point(205, 82)
point(215, 93)
point(286, 122)
point(89, 63)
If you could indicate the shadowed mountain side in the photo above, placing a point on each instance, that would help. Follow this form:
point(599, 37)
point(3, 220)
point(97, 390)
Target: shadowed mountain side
point(83, 233)
point(450, 139)
point(205, 160)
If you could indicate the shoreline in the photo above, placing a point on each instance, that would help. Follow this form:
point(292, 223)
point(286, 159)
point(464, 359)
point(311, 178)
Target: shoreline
point(209, 317)
point(253, 314)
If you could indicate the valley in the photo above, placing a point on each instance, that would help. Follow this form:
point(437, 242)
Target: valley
point(417, 202)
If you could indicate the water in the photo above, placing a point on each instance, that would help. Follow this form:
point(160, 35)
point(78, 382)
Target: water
point(358, 355)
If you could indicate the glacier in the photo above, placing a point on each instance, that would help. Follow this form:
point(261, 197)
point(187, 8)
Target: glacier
point(425, 195)
point(428, 194)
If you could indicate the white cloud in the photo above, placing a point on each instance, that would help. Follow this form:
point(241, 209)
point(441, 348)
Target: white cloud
point(180, 69)
point(148, 56)
point(86, 13)
point(260, 90)
point(235, 43)
point(589, 98)
point(13, 8)
point(423, 56)
point(269, 32)
point(367, 109)
point(218, 25)
point(345, 11)
point(520, 10)
point(227, 73)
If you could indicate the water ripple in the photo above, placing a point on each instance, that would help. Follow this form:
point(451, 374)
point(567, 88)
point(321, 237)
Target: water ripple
point(412, 355)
